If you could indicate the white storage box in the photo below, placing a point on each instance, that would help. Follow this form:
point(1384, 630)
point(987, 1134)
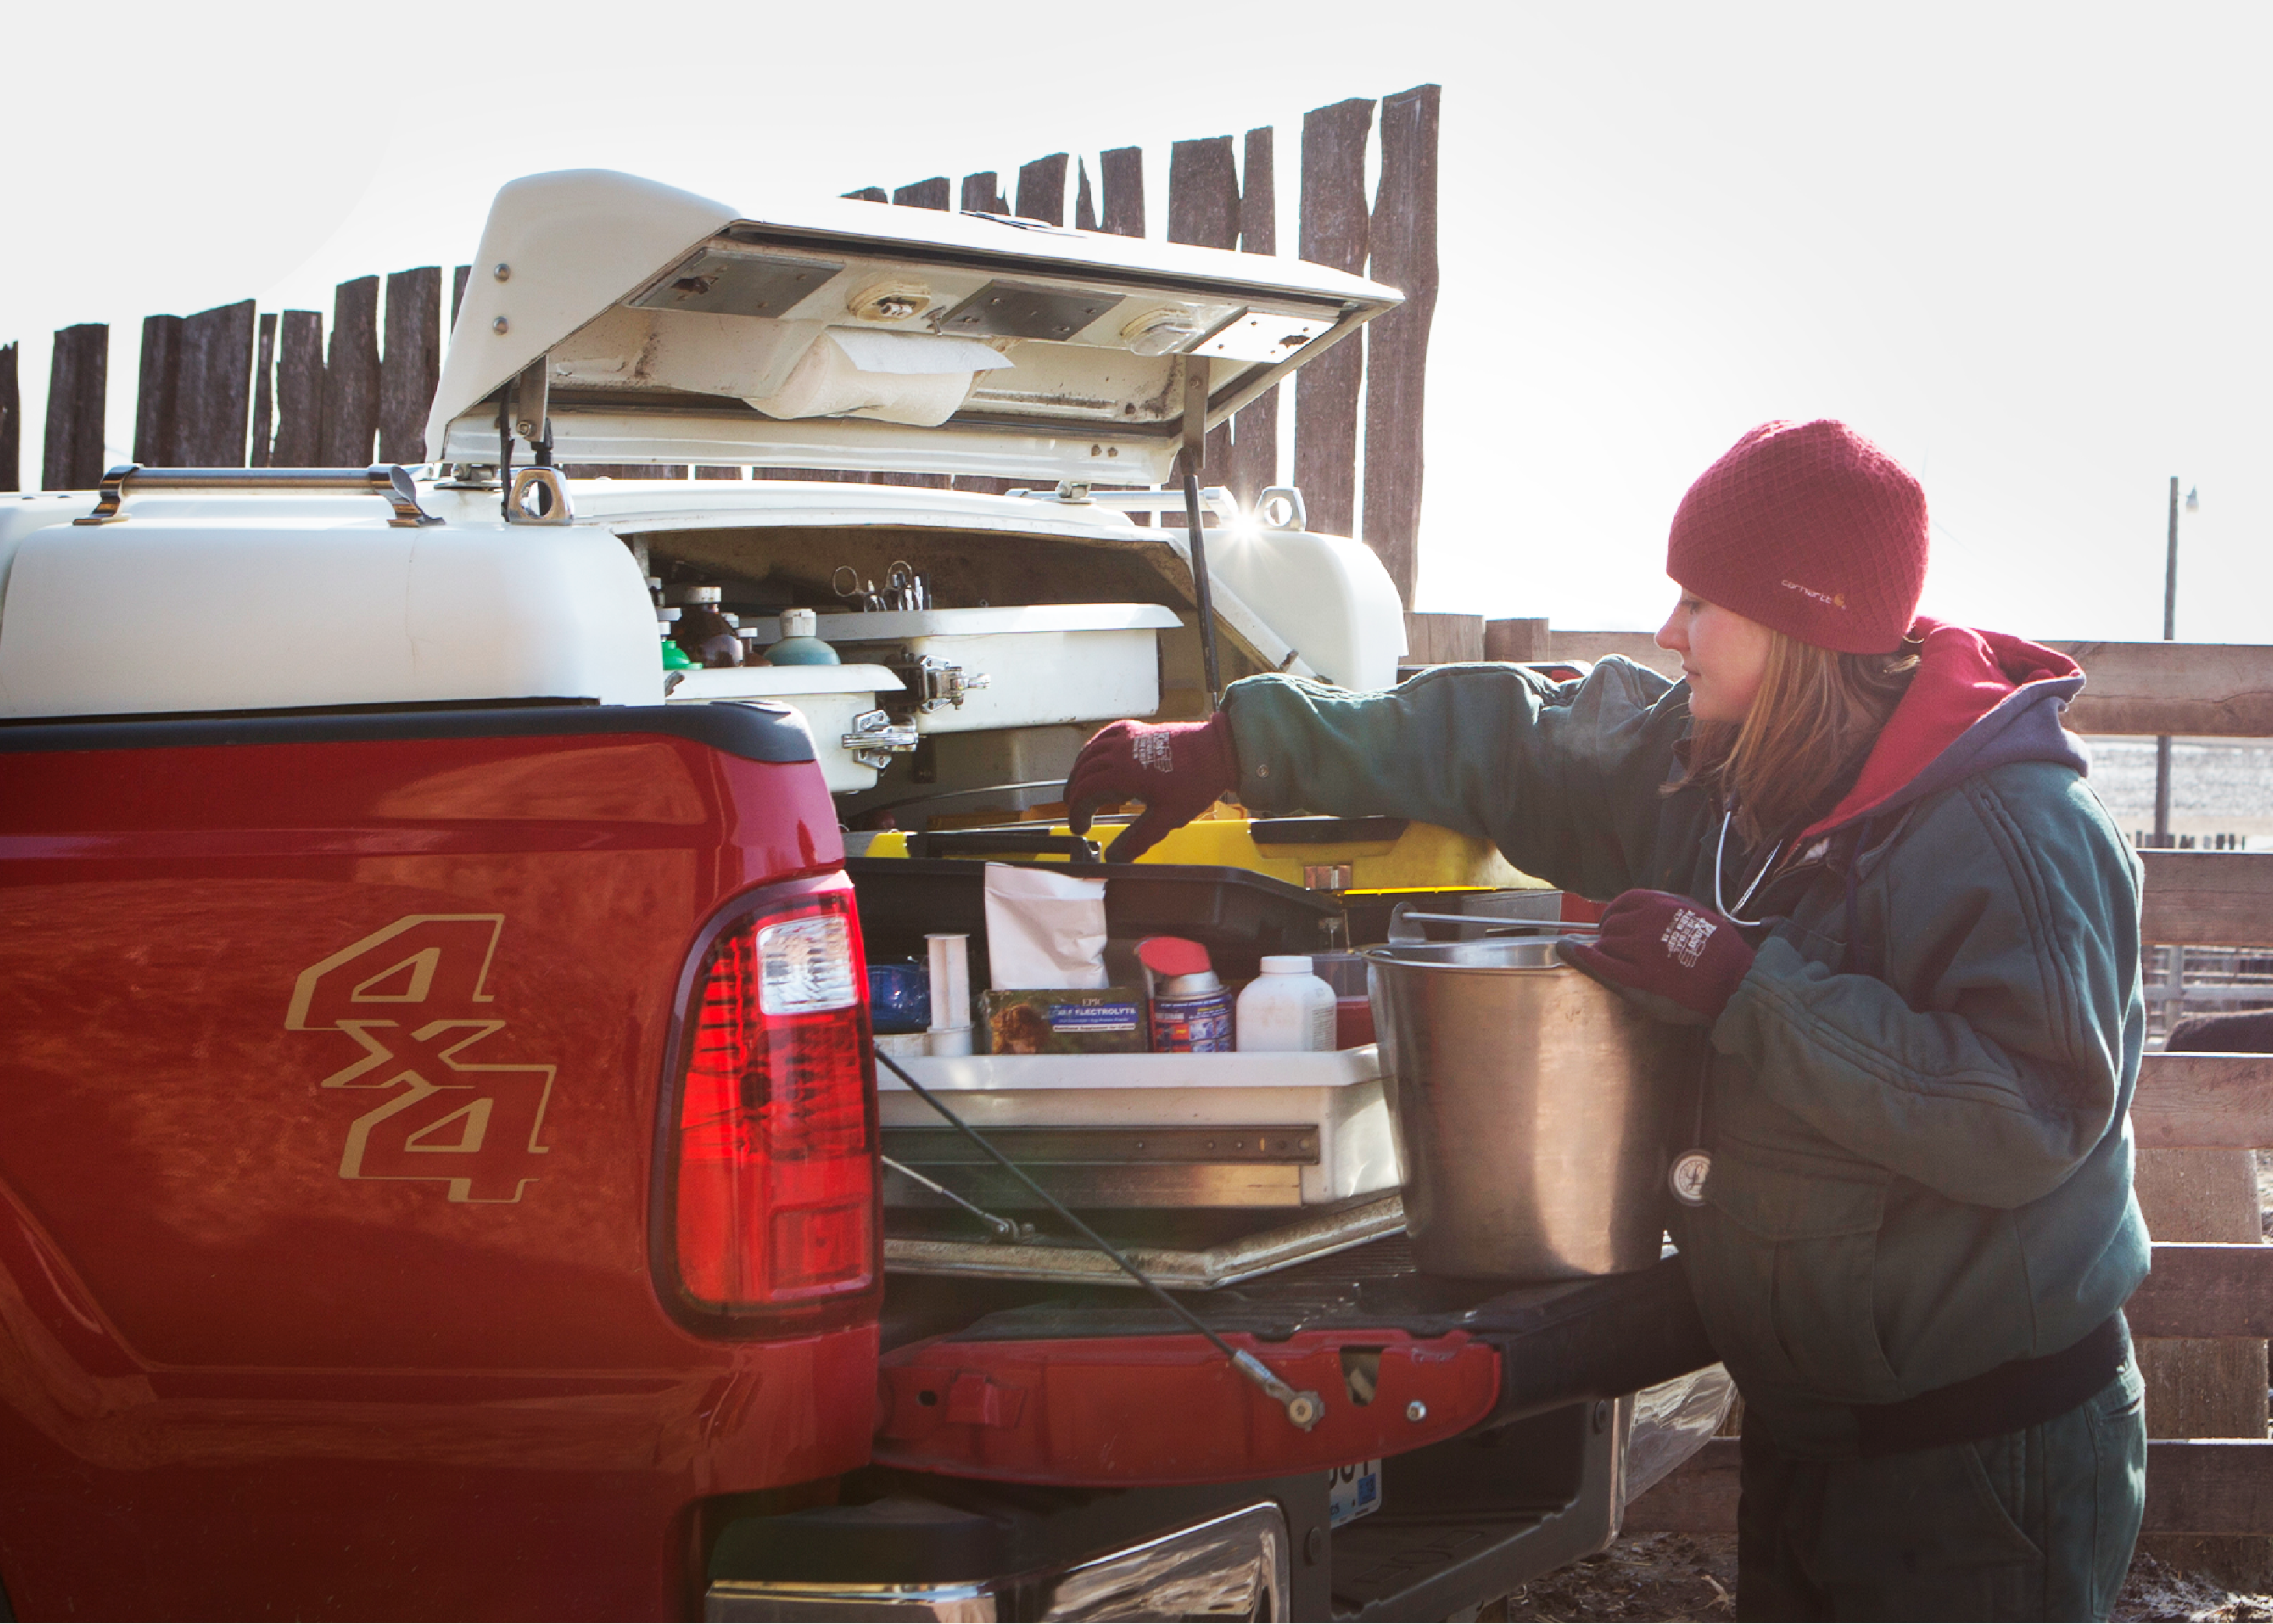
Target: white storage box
point(1106, 1103)
point(259, 602)
point(1042, 663)
point(827, 696)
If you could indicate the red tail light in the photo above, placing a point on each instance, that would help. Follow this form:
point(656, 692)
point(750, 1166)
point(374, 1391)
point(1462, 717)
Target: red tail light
point(774, 1190)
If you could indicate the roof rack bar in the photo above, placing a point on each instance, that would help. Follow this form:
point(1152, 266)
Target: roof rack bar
point(1215, 497)
point(390, 481)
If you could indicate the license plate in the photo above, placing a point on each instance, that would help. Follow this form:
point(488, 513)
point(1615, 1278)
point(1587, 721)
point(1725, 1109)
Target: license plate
point(1352, 1492)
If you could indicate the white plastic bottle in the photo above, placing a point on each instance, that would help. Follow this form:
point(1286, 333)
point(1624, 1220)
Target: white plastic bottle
point(1284, 1009)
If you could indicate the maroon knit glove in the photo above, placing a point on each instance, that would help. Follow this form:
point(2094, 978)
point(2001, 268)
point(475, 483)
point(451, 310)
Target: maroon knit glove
point(1176, 769)
point(1675, 958)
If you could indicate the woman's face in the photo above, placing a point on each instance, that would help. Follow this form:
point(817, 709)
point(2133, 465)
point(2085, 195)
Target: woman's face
point(1723, 655)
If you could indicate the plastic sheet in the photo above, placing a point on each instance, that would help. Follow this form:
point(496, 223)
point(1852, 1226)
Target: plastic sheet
point(1671, 1422)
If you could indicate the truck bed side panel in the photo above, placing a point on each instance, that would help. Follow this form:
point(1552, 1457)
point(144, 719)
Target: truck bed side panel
point(328, 1080)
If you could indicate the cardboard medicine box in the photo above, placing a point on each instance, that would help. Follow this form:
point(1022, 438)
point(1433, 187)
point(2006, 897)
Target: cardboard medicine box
point(1099, 1020)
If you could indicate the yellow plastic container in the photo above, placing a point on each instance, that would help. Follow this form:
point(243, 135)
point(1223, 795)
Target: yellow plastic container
point(1425, 857)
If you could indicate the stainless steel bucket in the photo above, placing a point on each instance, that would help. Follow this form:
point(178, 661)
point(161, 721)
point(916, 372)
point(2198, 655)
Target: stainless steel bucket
point(1534, 1109)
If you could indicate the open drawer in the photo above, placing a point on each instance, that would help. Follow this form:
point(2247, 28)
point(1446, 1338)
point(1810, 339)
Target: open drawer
point(1107, 1131)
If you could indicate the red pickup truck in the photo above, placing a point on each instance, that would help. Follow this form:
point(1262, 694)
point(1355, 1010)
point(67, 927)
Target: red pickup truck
point(439, 1124)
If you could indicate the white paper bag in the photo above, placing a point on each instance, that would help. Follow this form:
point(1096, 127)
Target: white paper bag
point(1044, 928)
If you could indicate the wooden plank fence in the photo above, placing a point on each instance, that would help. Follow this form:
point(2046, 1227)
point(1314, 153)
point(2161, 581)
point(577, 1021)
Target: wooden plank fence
point(2208, 690)
point(2205, 1311)
point(233, 387)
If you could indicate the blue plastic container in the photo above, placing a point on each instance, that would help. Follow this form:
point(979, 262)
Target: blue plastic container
point(899, 996)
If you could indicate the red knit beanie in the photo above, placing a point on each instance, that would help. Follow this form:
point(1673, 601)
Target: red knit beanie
point(1810, 528)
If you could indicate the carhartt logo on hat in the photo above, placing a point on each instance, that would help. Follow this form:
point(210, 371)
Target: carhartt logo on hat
point(1835, 601)
point(1810, 528)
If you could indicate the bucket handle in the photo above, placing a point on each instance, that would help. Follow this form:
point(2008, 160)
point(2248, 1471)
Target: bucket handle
point(1407, 925)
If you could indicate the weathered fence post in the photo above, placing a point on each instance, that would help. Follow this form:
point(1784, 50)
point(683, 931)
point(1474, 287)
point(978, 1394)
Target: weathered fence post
point(351, 378)
point(1204, 194)
point(2198, 1388)
point(1204, 211)
point(1333, 233)
point(264, 391)
point(411, 363)
point(1119, 208)
point(1403, 238)
point(1516, 641)
point(299, 437)
point(1041, 196)
point(212, 390)
point(78, 378)
point(11, 422)
point(1084, 200)
point(981, 194)
point(1254, 463)
point(1041, 190)
point(156, 404)
point(458, 289)
point(1121, 177)
point(930, 194)
point(1440, 639)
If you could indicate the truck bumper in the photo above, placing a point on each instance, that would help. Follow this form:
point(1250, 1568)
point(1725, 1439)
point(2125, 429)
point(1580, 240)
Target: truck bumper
point(1464, 1522)
point(1237, 1566)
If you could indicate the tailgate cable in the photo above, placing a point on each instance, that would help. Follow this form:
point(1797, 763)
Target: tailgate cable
point(1304, 1410)
point(1004, 1229)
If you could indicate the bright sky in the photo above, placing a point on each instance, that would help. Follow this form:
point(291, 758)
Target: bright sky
point(2024, 248)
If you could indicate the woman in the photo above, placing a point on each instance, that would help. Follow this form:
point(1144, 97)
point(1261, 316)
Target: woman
point(1857, 845)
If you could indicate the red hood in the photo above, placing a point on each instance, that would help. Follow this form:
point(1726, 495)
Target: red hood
point(1979, 699)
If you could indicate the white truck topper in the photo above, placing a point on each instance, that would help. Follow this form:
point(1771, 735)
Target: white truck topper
point(661, 327)
point(649, 321)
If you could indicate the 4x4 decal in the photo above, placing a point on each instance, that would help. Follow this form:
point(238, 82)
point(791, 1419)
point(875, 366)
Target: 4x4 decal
point(413, 996)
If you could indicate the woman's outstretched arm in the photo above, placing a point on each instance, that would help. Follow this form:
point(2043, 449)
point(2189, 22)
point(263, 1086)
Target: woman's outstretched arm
point(1563, 778)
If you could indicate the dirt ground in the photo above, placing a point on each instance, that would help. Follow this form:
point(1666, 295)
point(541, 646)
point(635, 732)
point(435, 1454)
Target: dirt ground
point(1654, 1577)
point(1649, 1576)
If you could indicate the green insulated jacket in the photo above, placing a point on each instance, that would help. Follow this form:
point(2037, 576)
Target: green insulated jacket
point(1918, 1098)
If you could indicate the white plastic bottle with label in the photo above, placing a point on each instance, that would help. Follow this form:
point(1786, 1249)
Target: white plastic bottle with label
point(1284, 1009)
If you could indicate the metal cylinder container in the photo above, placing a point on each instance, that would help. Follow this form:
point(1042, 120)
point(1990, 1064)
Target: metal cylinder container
point(1534, 1109)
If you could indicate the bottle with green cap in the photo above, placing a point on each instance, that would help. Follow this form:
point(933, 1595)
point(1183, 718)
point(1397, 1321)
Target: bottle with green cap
point(799, 646)
point(674, 657)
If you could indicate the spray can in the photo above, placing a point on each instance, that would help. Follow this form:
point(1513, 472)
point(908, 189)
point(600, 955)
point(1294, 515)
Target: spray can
point(1191, 1011)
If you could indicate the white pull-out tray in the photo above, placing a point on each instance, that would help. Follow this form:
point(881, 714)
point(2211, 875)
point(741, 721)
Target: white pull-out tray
point(1044, 663)
point(1337, 1095)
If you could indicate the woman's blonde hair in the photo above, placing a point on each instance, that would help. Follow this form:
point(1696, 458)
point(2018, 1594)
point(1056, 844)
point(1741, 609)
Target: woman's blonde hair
point(1815, 717)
